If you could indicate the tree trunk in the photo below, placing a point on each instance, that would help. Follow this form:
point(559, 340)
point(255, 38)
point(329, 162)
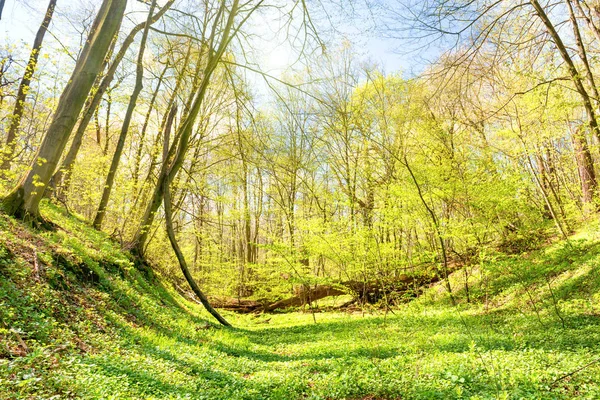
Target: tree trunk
point(17, 114)
point(139, 84)
point(306, 296)
point(583, 54)
point(25, 197)
point(585, 167)
point(155, 150)
point(445, 272)
point(588, 19)
point(62, 176)
point(573, 72)
point(138, 154)
point(181, 258)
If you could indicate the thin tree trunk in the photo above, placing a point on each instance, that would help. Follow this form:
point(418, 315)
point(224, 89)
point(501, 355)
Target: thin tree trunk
point(17, 114)
point(544, 181)
point(181, 258)
point(107, 122)
point(139, 84)
point(171, 232)
point(138, 154)
point(24, 199)
point(573, 72)
point(583, 54)
point(437, 230)
point(593, 27)
point(547, 201)
point(143, 194)
point(98, 128)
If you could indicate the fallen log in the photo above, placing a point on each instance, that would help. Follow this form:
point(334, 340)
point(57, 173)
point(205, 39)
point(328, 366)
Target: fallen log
point(244, 306)
point(392, 292)
point(305, 296)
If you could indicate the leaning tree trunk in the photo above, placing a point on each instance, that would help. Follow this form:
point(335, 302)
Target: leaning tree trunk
point(17, 114)
point(179, 254)
point(139, 76)
point(1, 7)
point(24, 199)
point(62, 176)
point(576, 76)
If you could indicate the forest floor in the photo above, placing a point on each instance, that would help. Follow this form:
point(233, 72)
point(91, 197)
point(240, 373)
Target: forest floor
point(78, 320)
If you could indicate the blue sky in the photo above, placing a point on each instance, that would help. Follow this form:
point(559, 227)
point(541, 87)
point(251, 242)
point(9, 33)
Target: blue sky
point(21, 19)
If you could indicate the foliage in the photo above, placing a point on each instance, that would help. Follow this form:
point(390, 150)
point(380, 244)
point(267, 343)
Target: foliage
point(123, 336)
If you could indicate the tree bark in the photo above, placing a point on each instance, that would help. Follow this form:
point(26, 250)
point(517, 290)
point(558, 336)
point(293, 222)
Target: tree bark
point(306, 296)
point(585, 167)
point(588, 19)
point(438, 232)
point(17, 113)
point(581, 51)
point(24, 199)
point(138, 154)
point(139, 84)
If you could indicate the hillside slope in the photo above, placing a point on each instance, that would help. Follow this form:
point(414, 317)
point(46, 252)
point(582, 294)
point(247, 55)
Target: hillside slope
point(79, 320)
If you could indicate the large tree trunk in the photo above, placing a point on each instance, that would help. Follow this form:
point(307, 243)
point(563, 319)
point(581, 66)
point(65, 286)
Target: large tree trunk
point(125, 127)
point(396, 291)
point(17, 114)
point(63, 175)
point(306, 296)
point(24, 199)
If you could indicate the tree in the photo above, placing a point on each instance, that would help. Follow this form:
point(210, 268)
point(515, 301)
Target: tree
point(62, 176)
point(126, 121)
point(23, 201)
point(218, 41)
point(17, 114)
point(485, 29)
point(181, 258)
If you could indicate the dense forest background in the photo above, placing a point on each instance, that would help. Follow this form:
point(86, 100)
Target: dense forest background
point(332, 171)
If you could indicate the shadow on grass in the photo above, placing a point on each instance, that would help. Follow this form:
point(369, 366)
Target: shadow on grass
point(143, 313)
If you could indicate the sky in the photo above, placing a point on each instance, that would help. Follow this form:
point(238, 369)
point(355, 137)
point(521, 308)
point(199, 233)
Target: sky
point(21, 19)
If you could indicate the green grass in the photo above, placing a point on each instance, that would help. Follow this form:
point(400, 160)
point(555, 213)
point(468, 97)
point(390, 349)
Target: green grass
point(93, 326)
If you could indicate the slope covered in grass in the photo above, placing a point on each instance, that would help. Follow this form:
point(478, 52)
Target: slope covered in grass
point(79, 320)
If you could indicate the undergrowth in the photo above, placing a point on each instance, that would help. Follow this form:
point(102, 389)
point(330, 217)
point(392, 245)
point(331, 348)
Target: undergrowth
point(79, 320)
